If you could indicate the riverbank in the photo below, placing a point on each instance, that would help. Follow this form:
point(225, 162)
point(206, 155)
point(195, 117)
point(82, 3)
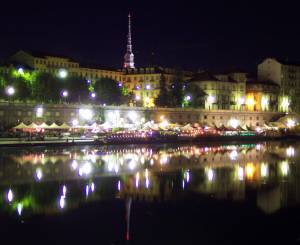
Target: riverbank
point(89, 141)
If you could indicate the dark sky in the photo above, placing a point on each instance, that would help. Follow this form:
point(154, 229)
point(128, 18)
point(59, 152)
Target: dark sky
point(215, 35)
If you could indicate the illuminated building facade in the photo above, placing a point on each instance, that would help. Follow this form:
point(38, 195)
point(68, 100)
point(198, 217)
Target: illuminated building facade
point(287, 75)
point(224, 91)
point(262, 96)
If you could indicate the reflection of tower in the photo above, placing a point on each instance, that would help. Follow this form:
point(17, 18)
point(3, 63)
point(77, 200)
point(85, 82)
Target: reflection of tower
point(129, 57)
point(128, 206)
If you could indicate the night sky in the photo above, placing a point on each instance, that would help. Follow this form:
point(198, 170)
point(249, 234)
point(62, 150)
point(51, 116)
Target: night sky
point(214, 35)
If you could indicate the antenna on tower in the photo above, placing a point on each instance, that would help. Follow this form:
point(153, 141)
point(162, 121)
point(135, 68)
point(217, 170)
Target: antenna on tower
point(129, 56)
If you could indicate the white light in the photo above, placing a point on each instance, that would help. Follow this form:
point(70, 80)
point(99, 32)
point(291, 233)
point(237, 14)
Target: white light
point(62, 202)
point(137, 179)
point(234, 123)
point(147, 182)
point(62, 73)
point(10, 195)
point(183, 184)
point(284, 168)
point(21, 70)
point(92, 187)
point(86, 114)
point(132, 164)
point(74, 164)
point(241, 173)
point(233, 155)
point(93, 95)
point(10, 90)
point(39, 112)
point(188, 98)
point(290, 152)
point(137, 97)
point(86, 190)
point(210, 174)
point(290, 123)
point(19, 208)
point(187, 176)
point(65, 93)
point(210, 99)
point(148, 86)
point(264, 102)
point(119, 185)
point(132, 116)
point(85, 169)
point(64, 190)
point(263, 170)
point(39, 173)
point(241, 101)
point(75, 122)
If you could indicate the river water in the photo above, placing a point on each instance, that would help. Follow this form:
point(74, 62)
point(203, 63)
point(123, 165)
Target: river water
point(151, 194)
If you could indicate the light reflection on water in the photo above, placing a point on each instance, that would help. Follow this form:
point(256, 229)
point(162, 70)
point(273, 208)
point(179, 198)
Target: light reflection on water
point(51, 180)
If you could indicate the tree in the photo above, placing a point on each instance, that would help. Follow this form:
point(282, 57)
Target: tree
point(176, 89)
point(77, 88)
point(108, 91)
point(194, 96)
point(162, 99)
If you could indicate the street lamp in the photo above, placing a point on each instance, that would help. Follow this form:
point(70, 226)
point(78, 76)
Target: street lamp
point(62, 73)
point(64, 94)
point(93, 95)
point(10, 91)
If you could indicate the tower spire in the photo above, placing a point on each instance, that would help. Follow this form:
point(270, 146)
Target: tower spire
point(129, 56)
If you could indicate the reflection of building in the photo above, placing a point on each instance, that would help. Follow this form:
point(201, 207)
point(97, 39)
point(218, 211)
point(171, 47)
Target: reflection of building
point(287, 75)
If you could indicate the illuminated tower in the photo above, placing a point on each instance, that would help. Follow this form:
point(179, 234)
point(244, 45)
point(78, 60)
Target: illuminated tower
point(129, 57)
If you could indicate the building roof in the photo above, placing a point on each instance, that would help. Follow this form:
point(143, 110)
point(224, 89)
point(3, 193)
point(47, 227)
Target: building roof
point(203, 76)
point(255, 82)
point(285, 61)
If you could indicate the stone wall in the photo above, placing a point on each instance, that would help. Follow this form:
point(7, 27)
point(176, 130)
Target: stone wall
point(14, 113)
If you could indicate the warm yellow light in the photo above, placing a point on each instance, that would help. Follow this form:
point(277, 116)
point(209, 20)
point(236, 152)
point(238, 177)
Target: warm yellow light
point(250, 170)
point(290, 123)
point(234, 123)
point(284, 168)
point(264, 170)
point(250, 101)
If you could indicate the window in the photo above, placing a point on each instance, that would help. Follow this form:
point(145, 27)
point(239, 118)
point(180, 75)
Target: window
point(57, 114)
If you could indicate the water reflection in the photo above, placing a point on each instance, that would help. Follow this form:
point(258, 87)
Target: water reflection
point(50, 180)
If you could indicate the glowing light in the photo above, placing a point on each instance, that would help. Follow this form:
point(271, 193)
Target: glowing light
point(64, 190)
point(290, 123)
point(92, 187)
point(137, 179)
point(10, 195)
point(241, 173)
point(290, 152)
point(132, 116)
point(250, 170)
point(21, 70)
point(88, 81)
point(10, 90)
point(183, 184)
point(188, 98)
point(137, 97)
point(234, 123)
point(264, 170)
point(210, 99)
point(19, 208)
point(264, 102)
point(75, 122)
point(62, 202)
point(132, 164)
point(39, 173)
point(233, 155)
point(65, 93)
point(87, 190)
point(74, 164)
point(62, 73)
point(241, 101)
point(85, 169)
point(39, 112)
point(284, 168)
point(120, 84)
point(250, 102)
point(187, 176)
point(285, 104)
point(119, 185)
point(258, 147)
point(148, 86)
point(147, 183)
point(210, 174)
point(164, 123)
point(93, 95)
point(86, 114)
